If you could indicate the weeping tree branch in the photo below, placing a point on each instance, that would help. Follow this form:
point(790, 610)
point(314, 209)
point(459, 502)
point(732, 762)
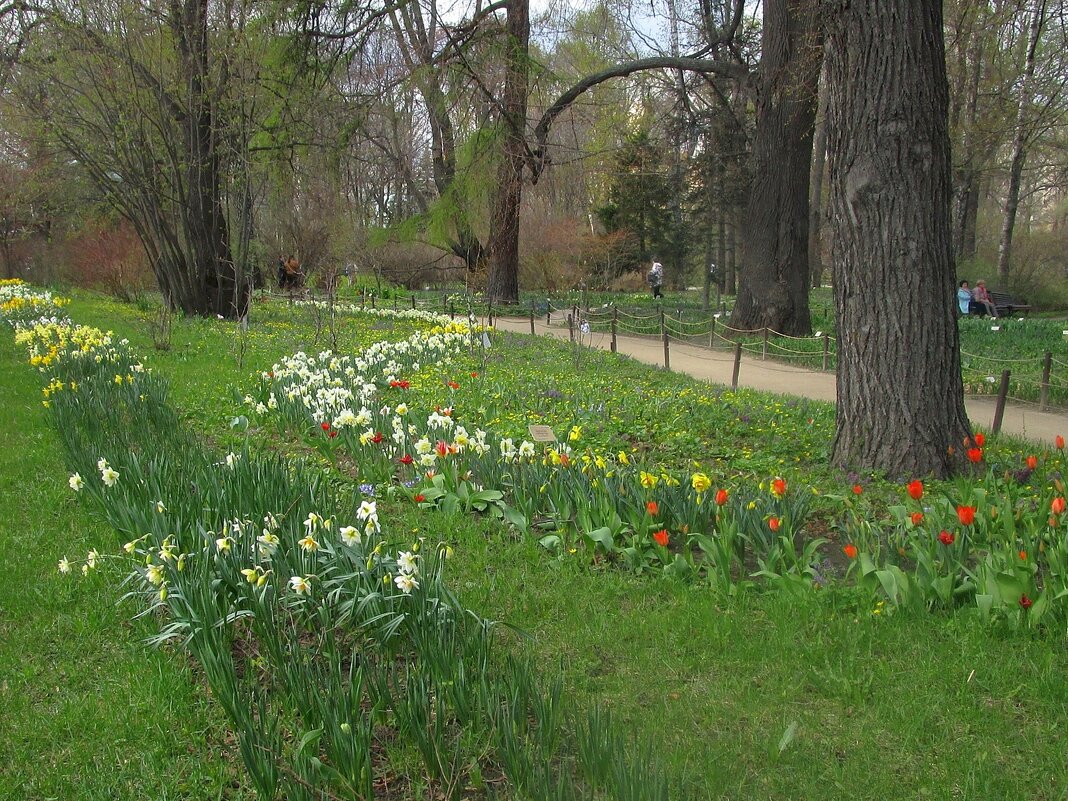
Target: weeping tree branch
point(539, 158)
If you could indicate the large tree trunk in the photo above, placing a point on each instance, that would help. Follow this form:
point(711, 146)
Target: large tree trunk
point(773, 292)
point(900, 395)
point(203, 223)
point(503, 283)
point(1019, 143)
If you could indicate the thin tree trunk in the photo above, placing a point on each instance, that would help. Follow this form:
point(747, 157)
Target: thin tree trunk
point(900, 395)
point(815, 184)
point(1019, 144)
point(773, 291)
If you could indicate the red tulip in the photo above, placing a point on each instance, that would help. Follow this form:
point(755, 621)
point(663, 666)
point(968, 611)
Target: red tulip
point(326, 426)
point(778, 487)
point(1057, 506)
point(331, 434)
point(406, 459)
point(980, 440)
point(858, 490)
point(1025, 602)
point(1032, 462)
point(377, 438)
point(946, 538)
point(653, 508)
point(1059, 442)
point(917, 518)
point(850, 550)
point(442, 448)
point(661, 537)
point(916, 489)
point(721, 497)
point(419, 498)
point(975, 455)
point(773, 523)
point(966, 514)
point(453, 385)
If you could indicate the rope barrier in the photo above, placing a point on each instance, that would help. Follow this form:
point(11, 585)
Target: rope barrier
point(995, 359)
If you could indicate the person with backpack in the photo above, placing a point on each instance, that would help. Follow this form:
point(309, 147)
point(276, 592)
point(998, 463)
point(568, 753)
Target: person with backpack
point(656, 278)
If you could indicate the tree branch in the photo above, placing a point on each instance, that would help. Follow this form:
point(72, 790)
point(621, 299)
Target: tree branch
point(541, 130)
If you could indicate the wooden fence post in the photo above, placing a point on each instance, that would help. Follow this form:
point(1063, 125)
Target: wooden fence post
point(532, 318)
point(664, 334)
point(413, 302)
point(571, 327)
point(826, 350)
point(615, 322)
point(1047, 368)
point(712, 335)
point(764, 353)
point(999, 410)
point(737, 364)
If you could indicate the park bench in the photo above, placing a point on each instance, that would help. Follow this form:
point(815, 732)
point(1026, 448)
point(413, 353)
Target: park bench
point(1007, 305)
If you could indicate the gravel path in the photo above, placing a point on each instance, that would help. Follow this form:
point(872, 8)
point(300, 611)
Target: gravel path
point(717, 367)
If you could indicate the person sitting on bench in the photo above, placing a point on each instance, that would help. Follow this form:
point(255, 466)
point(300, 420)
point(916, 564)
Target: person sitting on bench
point(964, 299)
point(982, 297)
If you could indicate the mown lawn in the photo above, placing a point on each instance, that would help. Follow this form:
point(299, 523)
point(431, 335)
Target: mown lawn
point(89, 712)
point(756, 696)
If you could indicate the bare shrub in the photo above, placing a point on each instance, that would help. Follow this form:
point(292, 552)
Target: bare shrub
point(109, 257)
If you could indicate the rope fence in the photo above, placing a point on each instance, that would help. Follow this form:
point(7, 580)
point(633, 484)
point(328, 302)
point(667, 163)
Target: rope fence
point(1033, 381)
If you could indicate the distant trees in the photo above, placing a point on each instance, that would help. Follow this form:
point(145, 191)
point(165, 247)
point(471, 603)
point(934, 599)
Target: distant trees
point(138, 97)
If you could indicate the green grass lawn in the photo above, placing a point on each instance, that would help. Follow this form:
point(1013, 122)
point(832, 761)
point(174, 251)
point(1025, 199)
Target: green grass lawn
point(757, 696)
point(89, 712)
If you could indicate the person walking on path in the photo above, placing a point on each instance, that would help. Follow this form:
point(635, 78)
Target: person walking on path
point(656, 278)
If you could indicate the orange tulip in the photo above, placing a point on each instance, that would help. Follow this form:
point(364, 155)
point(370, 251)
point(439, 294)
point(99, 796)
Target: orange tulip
point(778, 487)
point(1057, 506)
point(721, 497)
point(1032, 462)
point(916, 489)
point(661, 537)
point(850, 550)
point(1059, 442)
point(773, 523)
point(966, 514)
point(653, 508)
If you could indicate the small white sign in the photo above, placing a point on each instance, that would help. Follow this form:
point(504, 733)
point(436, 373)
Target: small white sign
point(541, 434)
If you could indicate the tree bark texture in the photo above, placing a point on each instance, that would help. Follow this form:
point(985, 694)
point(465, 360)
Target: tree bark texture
point(774, 280)
point(503, 283)
point(815, 187)
point(900, 394)
point(1019, 143)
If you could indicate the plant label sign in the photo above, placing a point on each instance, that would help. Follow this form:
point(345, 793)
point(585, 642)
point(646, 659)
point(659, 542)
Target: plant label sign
point(542, 434)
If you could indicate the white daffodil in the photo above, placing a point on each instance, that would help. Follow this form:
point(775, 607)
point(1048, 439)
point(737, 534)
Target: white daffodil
point(92, 558)
point(76, 482)
point(308, 544)
point(64, 565)
point(160, 507)
point(231, 460)
point(350, 535)
point(406, 561)
point(406, 583)
point(223, 544)
point(300, 584)
point(311, 524)
point(109, 476)
point(101, 463)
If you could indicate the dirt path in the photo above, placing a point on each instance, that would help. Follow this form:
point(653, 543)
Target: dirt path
point(717, 367)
